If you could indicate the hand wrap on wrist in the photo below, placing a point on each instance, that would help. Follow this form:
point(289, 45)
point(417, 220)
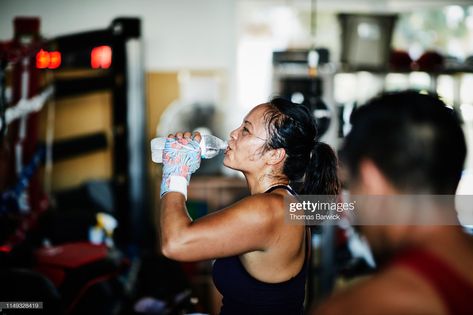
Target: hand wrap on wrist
point(181, 158)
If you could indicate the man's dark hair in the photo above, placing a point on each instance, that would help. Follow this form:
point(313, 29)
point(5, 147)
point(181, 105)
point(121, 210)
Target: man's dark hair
point(414, 139)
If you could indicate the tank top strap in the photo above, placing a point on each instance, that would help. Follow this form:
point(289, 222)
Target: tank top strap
point(287, 187)
point(308, 232)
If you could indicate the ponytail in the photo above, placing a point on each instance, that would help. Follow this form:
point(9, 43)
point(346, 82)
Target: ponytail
point(292, 127)
point(321, 176)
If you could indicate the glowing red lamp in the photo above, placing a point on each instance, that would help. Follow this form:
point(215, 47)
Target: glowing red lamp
point(54, 59)
point(48, 59)
point(42, 59)
point(101, 57)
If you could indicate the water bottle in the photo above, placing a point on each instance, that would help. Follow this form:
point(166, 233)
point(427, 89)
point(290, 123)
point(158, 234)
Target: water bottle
point(209, 145)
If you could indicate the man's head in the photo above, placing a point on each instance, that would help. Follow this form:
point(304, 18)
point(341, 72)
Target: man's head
point(402, 143)
point(413, 139)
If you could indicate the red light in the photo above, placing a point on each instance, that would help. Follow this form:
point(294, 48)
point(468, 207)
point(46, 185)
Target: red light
point(101, 57)
point(42, 59)
point(50, 60)
point(54, 59)
point(5, 249)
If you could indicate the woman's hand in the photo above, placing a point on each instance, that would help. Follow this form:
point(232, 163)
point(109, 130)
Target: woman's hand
point(181, 158)
point(186, 135)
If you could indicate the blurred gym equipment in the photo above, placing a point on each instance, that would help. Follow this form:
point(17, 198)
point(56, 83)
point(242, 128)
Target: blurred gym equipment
point(54, 87)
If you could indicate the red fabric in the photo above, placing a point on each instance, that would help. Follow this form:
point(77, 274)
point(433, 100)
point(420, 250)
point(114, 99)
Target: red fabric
point(54, 274)
point(454, 290)
point(71, 255)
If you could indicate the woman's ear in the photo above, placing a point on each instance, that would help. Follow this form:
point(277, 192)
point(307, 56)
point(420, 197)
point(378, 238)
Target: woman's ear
point(275, 156)
point(373, 180)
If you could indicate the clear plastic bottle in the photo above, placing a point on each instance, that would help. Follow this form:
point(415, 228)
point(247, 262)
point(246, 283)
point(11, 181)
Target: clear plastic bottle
point(210, 146)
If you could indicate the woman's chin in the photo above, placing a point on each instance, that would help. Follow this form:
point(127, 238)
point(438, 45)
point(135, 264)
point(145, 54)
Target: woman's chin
point(228, 163)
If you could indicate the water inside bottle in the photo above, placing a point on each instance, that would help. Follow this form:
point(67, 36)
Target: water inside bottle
point(210, 146)
point(211, 152)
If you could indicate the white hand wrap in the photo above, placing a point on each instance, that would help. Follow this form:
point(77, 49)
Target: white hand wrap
point(178, 184)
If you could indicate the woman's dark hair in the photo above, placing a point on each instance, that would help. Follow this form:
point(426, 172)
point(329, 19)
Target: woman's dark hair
point(414, 139)
point(292, 127)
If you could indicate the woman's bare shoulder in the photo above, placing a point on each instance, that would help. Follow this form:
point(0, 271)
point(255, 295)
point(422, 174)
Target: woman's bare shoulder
point(260, 205)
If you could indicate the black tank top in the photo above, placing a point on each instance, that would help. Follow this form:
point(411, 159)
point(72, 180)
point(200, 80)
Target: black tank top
point(244, 294)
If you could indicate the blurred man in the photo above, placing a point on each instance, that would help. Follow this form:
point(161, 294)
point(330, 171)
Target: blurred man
point(408, 143)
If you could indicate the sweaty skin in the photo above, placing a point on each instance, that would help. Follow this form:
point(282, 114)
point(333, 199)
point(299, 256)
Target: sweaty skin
point(253, 228)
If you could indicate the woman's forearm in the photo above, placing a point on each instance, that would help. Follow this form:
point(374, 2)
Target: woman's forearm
point(174, 220)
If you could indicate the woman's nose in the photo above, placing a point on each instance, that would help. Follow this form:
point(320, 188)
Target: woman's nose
point(233, 134)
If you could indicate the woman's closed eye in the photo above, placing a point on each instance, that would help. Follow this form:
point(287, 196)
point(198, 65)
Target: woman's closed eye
point(245, 131)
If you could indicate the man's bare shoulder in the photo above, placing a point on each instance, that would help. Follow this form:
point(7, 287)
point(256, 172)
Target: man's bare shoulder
point(393, 291)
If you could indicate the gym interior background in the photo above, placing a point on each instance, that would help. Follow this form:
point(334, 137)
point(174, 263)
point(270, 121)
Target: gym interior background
point(86, 85)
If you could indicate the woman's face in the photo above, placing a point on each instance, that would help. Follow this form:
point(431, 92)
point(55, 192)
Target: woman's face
point(245, 147)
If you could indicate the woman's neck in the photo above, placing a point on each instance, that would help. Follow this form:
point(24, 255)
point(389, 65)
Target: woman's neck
point(260, 184)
